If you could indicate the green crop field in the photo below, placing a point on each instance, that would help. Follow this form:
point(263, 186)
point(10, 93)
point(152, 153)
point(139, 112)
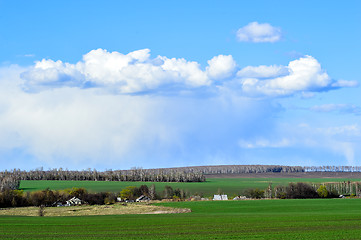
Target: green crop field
point(251, 219)
point(230, 186)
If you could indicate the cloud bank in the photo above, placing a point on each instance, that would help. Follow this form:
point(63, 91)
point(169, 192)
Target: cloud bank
point(137, 73)
point(109, 110)
point(259, 32)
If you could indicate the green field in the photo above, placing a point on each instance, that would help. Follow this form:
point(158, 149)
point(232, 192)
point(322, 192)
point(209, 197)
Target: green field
point(252, 219)
point(230, 186)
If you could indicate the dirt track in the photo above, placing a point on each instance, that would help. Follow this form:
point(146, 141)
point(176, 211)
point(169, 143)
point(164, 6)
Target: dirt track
point(289, 175)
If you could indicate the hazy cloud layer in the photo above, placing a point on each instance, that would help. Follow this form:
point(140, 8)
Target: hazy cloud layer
point(341, 140)
point(97, 112)
point(259, 32)
point(338, 108)
point(80, 128)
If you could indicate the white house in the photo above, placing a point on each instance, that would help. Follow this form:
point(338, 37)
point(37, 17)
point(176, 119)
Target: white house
point(73, 201)
point(142, 199)
point(220, 197)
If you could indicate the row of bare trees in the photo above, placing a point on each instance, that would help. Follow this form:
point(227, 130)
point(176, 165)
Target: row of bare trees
point(237, 169)
point(9, 182)
point(136, 174)
point(332, 169)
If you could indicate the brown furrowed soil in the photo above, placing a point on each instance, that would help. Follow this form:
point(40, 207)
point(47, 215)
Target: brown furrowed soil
point(289, 175)
point(115, 209)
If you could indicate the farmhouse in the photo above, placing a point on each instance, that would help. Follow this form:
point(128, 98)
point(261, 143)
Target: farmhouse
point(73, 201)
point(142, 198)
point(220, 197)
point(240, 198)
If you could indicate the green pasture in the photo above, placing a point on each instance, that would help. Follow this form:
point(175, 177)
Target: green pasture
point(230, 186)
point(250, 219)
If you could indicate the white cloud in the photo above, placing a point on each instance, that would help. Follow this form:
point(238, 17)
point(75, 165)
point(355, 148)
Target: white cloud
point(259, 32)
point(340, 108)
point(304, 138)
point(136, 73)
point(262, 71)
point(79, 128)
point(83, 127)
point(265, 143)
point(304, 75)
point(221, 67)
point(344, 83)
point(130, 73)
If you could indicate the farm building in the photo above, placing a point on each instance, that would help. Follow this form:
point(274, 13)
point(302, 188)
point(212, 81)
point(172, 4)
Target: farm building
point(142, 198)
point(240, 198)
point(220, 197)
point(73, 201)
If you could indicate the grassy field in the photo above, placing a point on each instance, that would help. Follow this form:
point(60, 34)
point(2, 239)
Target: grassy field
point(257, 219)
point(230, 186)
point(87, 210)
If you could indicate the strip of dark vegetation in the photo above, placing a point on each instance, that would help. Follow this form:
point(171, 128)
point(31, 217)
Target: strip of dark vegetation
point(54, 198)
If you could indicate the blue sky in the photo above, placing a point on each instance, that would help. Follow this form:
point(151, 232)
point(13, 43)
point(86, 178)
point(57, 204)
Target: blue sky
point(117, 84)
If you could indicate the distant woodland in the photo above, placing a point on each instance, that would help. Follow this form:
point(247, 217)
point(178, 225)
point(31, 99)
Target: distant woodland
point(10, 179)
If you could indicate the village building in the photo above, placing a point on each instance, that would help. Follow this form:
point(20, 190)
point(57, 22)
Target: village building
point(73, 202)
point(220, 197)
point(142, 198)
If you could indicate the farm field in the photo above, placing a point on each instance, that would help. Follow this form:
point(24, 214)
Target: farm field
point(252, 219)
point(230, 186)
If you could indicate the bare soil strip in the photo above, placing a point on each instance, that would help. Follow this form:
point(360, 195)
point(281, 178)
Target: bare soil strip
point(134, 208)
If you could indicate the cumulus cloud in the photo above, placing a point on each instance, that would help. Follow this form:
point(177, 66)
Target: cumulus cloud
point(259, 32)
point(67, 124)
point(301, 75)
point(137, 73)
point(220, 67)
point(125, 73)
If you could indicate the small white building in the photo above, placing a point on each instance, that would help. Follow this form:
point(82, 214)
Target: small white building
point(142, 198)
point(240, 198)
point(220, 197)
point(73, 201)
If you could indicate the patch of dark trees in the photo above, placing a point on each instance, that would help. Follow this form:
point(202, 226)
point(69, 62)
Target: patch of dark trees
point(295, 191)
point(52, 198)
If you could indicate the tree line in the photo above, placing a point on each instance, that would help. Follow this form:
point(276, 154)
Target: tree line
point(135, 174)
point(238, 169)
point(332, 169)
point(305, 190)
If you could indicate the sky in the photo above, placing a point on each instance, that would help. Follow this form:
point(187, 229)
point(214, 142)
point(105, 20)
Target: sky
point(122, 84)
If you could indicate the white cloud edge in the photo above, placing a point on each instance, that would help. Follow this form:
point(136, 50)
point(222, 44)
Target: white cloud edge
point(259, 33)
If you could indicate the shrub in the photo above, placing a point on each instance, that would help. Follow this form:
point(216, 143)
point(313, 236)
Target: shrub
point(322, 191)
point(300, 190)
point(130, 193)
point(254, 193)
point(168, 192)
